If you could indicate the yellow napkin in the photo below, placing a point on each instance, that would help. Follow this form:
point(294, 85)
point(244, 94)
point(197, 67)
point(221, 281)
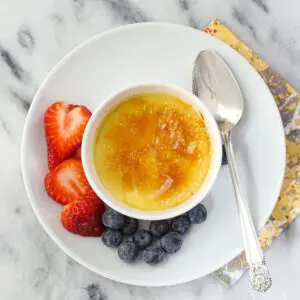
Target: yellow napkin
point(287, 100)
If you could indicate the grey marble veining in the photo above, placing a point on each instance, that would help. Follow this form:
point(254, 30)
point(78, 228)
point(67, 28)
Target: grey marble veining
point(34, 35)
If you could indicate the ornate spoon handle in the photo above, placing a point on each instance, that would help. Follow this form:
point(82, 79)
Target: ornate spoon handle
point(259, 273)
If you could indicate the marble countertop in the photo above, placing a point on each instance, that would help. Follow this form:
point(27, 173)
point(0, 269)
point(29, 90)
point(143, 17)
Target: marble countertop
point(34, 35)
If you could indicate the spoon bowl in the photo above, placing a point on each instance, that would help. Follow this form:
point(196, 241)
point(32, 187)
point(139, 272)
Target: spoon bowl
point(215, 84)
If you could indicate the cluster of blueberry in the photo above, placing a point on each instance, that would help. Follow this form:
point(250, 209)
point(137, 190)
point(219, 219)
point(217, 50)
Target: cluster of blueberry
point(162, 237)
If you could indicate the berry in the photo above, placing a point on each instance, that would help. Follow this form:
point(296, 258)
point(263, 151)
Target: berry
point(224, 156)
point(130, 239)
point(64, 128)
point(159, 228)
point(153, 255)
point(180, 224)
point(142, 238)
point(198, 214)
point(128, 251)
point(83, 217)
point(112, 219)
point(67, 182)
point(112, 238)
point(171, 242)
point(131, 226)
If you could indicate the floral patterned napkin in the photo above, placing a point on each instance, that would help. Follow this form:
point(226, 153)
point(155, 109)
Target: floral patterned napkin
point(287, 100)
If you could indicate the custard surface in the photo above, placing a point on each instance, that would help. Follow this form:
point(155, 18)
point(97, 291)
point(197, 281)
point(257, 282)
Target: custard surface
point(152, 151)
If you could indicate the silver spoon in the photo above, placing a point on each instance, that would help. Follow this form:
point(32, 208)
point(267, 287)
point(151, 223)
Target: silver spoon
point(215, 85)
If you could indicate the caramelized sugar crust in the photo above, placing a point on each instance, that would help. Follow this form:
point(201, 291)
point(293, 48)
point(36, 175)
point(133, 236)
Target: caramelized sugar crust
point(152, 151)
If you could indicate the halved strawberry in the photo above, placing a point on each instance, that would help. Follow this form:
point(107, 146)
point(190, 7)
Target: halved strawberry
point(64, 128)
point(67, 182)
point(77, 153)
point(83, 217)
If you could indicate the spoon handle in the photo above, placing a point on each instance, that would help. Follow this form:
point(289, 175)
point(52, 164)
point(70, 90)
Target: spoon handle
point(259, 273)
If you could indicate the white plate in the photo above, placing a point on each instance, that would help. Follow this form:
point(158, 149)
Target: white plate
point(161, 53)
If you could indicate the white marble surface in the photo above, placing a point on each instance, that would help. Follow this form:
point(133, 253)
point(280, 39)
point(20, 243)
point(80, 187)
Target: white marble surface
point(34, 35)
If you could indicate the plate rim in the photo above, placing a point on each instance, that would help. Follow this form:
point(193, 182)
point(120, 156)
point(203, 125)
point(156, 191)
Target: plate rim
point(25, 133)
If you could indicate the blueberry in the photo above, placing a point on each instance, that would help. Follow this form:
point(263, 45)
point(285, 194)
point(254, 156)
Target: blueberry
point(130, 239)
point(171, 242)
point(142, 238)
point(159, 228)
point(198, 214)
point(131, 226)
point(153, 255)
point(224, 156)
point(112, 219)
point(112, 238)
point(180, 224)
point(128, 251)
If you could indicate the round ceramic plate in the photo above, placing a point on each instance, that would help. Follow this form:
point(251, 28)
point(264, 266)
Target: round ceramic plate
point(165, 54)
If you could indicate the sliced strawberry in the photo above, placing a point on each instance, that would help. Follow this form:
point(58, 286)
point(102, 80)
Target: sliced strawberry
point(67, 182)
point(83, 217)
point(77, 153)
point(64, 128)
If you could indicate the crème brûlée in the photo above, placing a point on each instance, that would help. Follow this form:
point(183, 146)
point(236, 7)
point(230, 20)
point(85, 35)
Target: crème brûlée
point(152, 151)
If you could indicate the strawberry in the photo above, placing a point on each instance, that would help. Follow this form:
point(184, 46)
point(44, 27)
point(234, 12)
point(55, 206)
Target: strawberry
point(83, 217)
point(64, 128)
point(67, 182)
point(77, 153)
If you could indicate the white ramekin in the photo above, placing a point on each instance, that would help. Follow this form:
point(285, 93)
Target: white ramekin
point(88, 147)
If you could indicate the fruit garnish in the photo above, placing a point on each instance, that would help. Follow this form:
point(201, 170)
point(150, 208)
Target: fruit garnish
point(142, 238)
point(153, 255)
point(68, 183)
point(112, 238)
point(159, 228)
point(198, 214)
point(77, 152)
point(171, 242)
point(83, 217)
point(113, 219)
point(128, 251)
point(180, 224)
point(64, 128)
point(164, 237)
point(131, 226)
